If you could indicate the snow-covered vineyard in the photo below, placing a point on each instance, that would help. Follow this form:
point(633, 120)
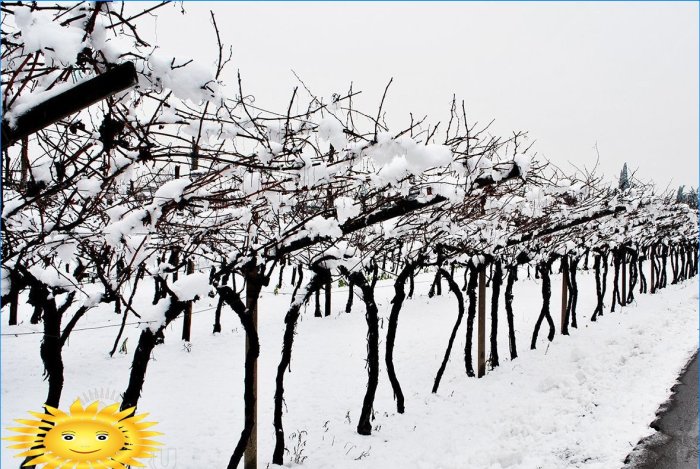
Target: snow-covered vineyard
point(307, 286)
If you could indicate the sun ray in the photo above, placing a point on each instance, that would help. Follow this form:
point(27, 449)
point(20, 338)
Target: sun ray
point(92, 408)
point(109, 410)
point(76, 407)
point(144, 425)
point(53, 413)
point(125, 413)
point(43, 458)
point(133, 462)
point(33, 431)
point(43, 417)
point(113, 464)
point(30, 438)
point(31, 452)
point(139, 417)
point(31, 423)
point(151, 443)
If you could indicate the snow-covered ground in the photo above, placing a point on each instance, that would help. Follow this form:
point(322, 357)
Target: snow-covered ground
point(581, 401)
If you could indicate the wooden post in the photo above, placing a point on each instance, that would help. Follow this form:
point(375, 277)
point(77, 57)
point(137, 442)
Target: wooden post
point(14, 298)
point(194, 156)
point(623, 263)
point(174, 260)
point(651, 264)
point(481, 339)
point(8, 177)
point(328, 298)
point(24, 167)
point(564, 301)
point(250, 457)
point(187, 317)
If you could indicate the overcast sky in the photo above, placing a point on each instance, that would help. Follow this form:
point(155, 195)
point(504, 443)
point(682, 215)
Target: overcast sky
point(622, 75)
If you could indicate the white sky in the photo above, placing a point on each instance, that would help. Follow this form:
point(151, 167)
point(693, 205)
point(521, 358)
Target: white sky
point(624, 75)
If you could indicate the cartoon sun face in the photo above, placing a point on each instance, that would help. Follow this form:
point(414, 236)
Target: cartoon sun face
point(86, 438)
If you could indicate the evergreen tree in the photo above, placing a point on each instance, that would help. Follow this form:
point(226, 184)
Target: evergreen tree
point(680, 196)
point(624, 179)
point(691, 198)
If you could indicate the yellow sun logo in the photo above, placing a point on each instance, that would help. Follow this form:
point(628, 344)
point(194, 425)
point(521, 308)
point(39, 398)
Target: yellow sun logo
point(86, 438)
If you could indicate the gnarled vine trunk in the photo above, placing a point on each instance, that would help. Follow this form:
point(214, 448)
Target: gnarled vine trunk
point(320, 277)
point(396, 304)
point(496, 280)
point(573, 290)
point(255, 279)
point(616, 280)
point(598, 288)
point(567, 279)
point(471, 314)
point(512, 277)
point(460, 314)
point(364, 425)
point(142, 356)
point(543, 269)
